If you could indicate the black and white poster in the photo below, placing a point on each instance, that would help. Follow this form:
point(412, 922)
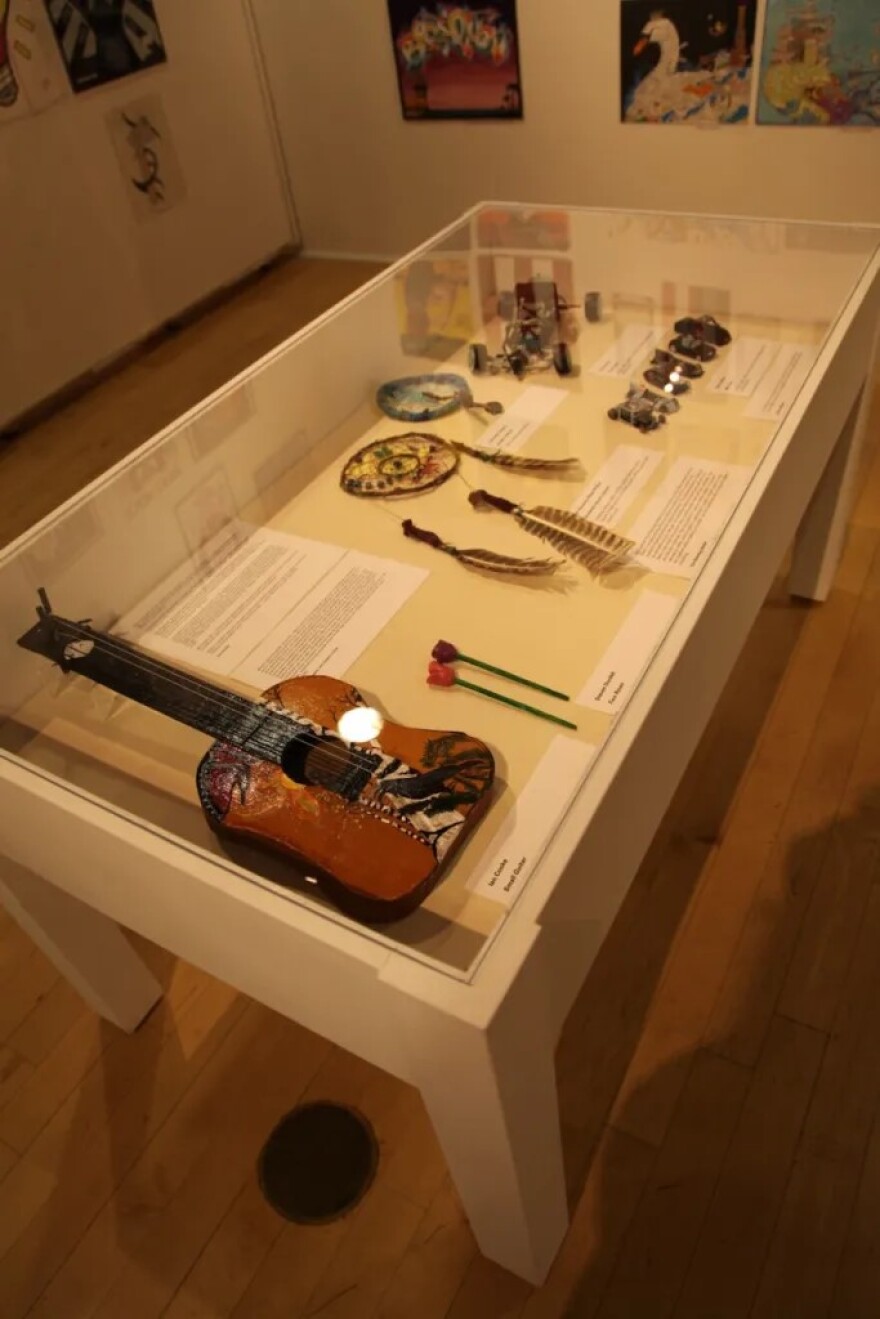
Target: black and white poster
point(102, 40)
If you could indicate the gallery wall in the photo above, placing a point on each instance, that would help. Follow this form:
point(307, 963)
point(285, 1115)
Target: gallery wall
point(85, 268)
point(368, 182)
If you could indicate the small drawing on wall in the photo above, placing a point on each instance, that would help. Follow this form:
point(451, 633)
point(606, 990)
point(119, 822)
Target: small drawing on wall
point(102, 40)
point(31, 77)
point(145, 151)
point(686, 61)
point(456, 60)
point(820, 63)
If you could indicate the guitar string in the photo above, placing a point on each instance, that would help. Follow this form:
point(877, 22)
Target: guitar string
point(225, 701)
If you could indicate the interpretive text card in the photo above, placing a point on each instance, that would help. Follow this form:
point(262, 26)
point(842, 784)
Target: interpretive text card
point(612, 681)
point(627, 351)
point(533, 407)
point(617, 483)
point(263, 605)
point(781, 383)
point(681, 523)
point(534, 819)
point(744, 366)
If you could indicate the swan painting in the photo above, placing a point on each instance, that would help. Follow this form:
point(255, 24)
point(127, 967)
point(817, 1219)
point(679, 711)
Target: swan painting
point(687, 64)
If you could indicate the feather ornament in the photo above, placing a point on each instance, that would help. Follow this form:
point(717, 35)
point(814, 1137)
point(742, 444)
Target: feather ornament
point(595, 547)
point(499, 458)
point(487, 560)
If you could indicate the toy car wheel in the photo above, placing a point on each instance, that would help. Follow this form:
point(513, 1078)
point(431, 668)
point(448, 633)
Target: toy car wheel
point(506, 305)
point(478, 358)
point(518, 364)
point(614, 413)
point(593, 307)
point(562, 359)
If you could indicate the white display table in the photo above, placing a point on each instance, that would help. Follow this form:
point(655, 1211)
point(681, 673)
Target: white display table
point(466, 997)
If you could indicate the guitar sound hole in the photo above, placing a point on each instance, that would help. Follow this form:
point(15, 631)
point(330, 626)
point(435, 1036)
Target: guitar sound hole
point(332, 765)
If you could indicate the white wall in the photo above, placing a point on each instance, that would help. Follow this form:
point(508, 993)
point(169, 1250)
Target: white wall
point(80, 277)
point(366, 181)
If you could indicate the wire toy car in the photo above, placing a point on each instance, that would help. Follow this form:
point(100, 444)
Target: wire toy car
point(534, 334)
point(693, 346)
point(667, 379)
point(689, 370)
point(643, 408)
point(699, 337)
point(704, 327)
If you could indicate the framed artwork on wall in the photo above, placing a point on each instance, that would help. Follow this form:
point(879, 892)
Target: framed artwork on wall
point(686, 61)
point(456, 61)
point(148, 162)
point(820, 63)
point(102, 40)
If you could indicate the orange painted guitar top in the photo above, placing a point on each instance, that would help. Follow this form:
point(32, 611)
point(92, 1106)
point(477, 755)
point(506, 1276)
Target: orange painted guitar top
point(373, 822)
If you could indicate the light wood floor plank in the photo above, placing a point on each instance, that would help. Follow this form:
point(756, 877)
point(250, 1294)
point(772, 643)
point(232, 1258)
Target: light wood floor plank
point(581, 1272)
point(808, 1240)
point(706, 942)
point(757, 973)
point(833, 920)
point(658, 1247)
point(857, 1287)
point(132, 1199)
point(54, 1193)
point(298, 1258)
point(230, 1259)
point(725, 1270)
point(47, 1023)
point(156, 1254)
point(436, 1261)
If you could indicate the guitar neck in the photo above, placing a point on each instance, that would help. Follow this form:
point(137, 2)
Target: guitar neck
point(116, 664)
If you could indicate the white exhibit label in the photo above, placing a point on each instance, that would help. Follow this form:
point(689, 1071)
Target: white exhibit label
point(522, 418)
point(782, 381)
point(262, 605)
point(534, 819)
point(625, 354)
point(616, 484)
point(745, 363)
point(681, 523)
point(625, 660)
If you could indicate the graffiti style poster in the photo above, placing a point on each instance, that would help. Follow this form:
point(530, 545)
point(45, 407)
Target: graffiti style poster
point(686, 61)
point(102, 40)
point(820, 63)
point(145, 151)
point(30, 74)
point(456, 61)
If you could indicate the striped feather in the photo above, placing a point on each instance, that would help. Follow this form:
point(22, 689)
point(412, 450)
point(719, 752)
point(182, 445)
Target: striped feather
point(492, 562)
point(499, 458)
point(593, 546)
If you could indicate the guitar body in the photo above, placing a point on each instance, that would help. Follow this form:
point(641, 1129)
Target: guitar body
point(373, 822)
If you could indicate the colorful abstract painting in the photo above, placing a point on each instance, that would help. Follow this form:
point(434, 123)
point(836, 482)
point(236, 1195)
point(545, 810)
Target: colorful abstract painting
point(456, 61)
point(821, 63)
point(686, 61)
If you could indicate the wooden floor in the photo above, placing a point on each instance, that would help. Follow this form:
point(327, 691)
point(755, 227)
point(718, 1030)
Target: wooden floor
point(719, 1074)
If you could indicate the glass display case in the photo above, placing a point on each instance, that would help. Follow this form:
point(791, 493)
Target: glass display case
point(228, 548)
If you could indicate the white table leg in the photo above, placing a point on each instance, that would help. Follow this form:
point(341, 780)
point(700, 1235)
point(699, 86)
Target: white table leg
point(88, 949)
point(493, 1102)
point(820, 535)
